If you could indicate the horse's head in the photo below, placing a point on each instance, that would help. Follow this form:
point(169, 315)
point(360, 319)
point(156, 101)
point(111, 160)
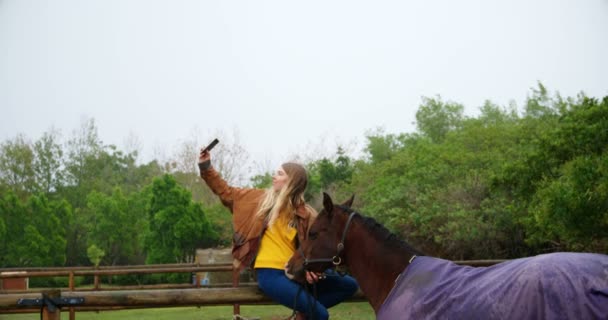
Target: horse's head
point(324, 243)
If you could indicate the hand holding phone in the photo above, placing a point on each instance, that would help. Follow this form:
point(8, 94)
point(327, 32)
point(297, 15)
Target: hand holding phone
point(204, 156)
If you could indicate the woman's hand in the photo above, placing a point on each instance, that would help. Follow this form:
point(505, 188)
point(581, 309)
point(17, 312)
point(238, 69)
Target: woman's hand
point(204, 160)
point(313, 277)
point(204, 156)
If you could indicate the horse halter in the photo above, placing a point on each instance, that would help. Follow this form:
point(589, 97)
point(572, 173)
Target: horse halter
point(336, 260)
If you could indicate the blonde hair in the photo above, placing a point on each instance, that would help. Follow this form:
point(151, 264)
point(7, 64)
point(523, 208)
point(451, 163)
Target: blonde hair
point(288, 199)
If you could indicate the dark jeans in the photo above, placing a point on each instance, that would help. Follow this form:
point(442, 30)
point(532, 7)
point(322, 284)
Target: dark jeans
point(330, 291)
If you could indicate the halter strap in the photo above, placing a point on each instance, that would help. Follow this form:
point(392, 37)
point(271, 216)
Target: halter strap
point(341, 244)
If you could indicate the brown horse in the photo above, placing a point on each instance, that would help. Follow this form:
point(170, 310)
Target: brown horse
point(400, 283)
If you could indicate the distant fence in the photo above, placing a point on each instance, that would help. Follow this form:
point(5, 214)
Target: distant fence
point(72, 272)
point(140, 296)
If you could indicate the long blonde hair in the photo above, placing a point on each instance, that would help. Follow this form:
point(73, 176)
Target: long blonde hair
point(288, 199)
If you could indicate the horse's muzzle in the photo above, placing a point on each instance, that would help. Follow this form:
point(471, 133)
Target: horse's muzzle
point(295, 274)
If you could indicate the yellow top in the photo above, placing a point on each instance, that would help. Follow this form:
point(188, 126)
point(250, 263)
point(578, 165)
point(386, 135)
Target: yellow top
point(277, 246)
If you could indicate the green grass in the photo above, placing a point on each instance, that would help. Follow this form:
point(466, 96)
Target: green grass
point(343, 311)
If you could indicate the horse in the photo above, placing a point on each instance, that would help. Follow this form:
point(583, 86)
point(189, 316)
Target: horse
point(401, 283)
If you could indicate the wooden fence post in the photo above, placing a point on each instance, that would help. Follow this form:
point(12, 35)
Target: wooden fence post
point(236, 308)
point(53, 313)
point(72, 287)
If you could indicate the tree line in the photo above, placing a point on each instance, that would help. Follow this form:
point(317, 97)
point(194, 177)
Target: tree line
point(83, 203)
point(506, 183)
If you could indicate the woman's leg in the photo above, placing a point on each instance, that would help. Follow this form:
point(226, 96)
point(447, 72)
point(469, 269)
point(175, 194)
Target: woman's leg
point(279, 288)
point(335, 288)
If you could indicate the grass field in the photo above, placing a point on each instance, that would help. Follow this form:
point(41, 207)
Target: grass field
point(344, 311)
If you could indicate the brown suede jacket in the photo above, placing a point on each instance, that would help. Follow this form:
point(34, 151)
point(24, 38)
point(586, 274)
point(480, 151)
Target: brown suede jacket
point(248, 230)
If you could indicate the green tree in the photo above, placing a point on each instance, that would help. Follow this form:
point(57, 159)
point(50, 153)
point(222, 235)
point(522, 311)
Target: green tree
point(94, 167)
point(221, 219)
point(436, 118)
point(381, 146)
point(571, 212)
point(438, 193)
point(262, 181)
point(330, 175)
point(494, 115)
point(114, 226)
point(339, 170)
point(35, 236)
point(83, 147)
point(95, 254)
point(565, 193)
point(16, 166)
point(177, 226)
point(541, 105)
point(47, 163)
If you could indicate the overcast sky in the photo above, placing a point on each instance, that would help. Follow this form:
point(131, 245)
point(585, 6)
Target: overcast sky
point(285, 74)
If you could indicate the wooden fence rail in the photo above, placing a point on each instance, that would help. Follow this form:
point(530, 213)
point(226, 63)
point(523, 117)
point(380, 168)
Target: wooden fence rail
point(133, 266)
point(149, 269)
point(154, 298)
point(59, 272)
point(168, 296)
point(72, 272)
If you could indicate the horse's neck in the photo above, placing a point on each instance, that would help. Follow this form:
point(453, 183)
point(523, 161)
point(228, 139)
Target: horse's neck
point(374, 266)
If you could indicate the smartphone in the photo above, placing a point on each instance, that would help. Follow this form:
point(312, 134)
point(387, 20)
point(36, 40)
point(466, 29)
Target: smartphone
point(211, 145)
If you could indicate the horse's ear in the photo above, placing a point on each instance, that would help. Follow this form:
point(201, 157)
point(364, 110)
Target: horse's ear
point(328, 204)
point(349, 202)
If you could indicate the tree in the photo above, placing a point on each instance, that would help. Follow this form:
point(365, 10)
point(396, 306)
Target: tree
point(540, 104)
point(95, 254)
point(35, 234)
point(339, 170)
point(435, 118)
point(114, 224)
point(571, 212)
point(493, 115)
point(16, 166)
point(83, 146)
point(221, 219)
point(566, 195)
point(262, 181)
point(47, 163)
point(177, 226)
point(94, 167)
point(381, 146)
point(438, 193)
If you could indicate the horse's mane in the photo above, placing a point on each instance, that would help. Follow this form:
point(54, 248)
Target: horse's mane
point(381, 233)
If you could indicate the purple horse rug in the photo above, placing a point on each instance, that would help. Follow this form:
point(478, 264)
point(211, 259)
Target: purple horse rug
point(549, 286)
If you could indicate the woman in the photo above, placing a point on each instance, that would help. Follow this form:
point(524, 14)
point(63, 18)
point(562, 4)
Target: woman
point(267, 227)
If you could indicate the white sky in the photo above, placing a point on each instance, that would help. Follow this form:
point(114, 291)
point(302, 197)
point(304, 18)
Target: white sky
point(285, 74)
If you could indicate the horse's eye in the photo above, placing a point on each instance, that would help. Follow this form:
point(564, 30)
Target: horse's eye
point(312, 235)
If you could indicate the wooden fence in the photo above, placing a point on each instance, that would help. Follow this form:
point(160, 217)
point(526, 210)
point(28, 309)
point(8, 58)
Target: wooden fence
point(141, 296)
